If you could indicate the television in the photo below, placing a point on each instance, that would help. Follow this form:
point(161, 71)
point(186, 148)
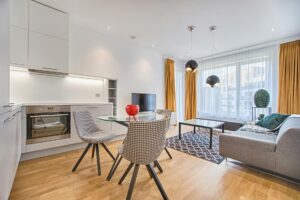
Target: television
point(146, 102)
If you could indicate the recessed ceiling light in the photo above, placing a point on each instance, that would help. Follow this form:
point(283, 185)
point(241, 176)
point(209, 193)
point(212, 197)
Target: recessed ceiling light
point(273, 29)
point(108, 27)
point(153, 45)
point(133, 37)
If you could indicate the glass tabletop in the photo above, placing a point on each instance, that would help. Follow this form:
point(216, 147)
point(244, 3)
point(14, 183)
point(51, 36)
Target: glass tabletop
point(202, 123)
point(139, 117)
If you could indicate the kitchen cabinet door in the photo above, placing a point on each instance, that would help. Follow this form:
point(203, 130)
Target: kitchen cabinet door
point(18, 46)
point(50, 21)
point(9, 153)
point(19, 13)
point(48, 53)
point(4, 55)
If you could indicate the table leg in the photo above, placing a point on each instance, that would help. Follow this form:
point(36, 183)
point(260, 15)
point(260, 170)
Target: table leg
point(223, 128)
point(210, 140)
point(179, 133)
point(194, 129)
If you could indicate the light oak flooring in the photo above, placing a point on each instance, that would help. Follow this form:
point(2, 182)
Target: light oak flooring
point(185, 177)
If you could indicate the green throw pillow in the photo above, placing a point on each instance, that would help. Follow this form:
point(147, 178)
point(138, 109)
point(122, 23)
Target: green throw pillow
point(272, 121)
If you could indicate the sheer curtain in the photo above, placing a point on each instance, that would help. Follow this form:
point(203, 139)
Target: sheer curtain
point(241, 75)
point(179, 85)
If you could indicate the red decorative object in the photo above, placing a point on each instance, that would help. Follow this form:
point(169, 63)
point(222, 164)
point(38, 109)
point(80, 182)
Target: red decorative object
point(132, 110)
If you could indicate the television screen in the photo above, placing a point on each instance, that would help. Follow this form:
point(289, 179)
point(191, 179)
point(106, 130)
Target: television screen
point(146, 102)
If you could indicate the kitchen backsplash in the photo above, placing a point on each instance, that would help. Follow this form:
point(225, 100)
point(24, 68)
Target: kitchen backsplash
point(29, 87)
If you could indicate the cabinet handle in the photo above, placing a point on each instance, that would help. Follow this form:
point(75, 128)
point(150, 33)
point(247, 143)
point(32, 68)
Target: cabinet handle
point(49, 68)
point(11, 117)
point(9, 105)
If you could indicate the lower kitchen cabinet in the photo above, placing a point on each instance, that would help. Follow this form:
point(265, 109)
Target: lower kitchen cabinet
point(10, 144)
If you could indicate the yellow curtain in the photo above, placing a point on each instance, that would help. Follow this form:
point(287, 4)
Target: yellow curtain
point(190, 95)
point(289, 75)
point(170, 85)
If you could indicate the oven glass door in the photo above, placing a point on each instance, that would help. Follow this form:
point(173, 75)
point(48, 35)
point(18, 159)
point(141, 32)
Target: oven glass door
point(47, 127)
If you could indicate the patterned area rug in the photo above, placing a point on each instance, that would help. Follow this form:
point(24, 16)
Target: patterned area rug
point(197, 145)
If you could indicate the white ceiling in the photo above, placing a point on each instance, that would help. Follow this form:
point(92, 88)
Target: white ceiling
point(240, 23)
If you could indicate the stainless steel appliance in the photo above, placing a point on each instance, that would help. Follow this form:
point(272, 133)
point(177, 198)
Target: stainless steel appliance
point(47, 123)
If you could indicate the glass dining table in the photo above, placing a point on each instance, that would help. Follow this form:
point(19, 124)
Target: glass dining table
point(125, 119)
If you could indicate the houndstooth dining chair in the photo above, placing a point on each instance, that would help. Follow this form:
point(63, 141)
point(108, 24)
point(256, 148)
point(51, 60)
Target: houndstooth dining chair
point(168, 114)
point(143, 145)
point(89, 132)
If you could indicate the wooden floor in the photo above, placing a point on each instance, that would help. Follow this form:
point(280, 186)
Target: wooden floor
point(185, 177)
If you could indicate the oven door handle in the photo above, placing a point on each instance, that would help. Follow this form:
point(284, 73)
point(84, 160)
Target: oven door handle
point(41, 116)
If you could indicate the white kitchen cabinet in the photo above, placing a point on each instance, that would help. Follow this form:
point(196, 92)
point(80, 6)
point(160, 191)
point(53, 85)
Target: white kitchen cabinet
point(50, 21)
point(19, 13)
point(10, 153)
point(48, 53)
point(18, 46)
point(4, 56)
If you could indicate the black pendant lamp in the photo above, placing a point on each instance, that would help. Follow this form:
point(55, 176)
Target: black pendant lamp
point(191, 65)
point(212, 80)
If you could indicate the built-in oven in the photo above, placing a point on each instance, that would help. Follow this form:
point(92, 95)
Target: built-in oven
point(47, 123)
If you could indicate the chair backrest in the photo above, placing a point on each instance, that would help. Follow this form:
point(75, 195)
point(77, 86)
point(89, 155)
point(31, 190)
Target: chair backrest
point(84, 123)
point(144, 141)
point(168, 114)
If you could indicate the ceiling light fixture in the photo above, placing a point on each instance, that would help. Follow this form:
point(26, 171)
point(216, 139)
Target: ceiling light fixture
point(108, 27)
point(191, 65)
point(273, 29)
point(153, 45)
point(212, 80)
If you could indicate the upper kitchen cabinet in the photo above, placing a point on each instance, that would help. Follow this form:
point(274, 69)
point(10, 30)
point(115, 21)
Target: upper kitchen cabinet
point(18, 32)
point(49, 21)
point(18, 46)
point(19, 13)
point(48, 53)
point(48, 38)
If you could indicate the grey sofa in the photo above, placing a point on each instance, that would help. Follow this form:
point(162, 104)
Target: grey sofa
point(277, 153)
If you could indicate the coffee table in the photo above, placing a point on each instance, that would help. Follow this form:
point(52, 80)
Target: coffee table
point(209, 124)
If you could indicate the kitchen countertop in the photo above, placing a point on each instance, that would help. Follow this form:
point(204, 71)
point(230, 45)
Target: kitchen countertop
point(19, 105)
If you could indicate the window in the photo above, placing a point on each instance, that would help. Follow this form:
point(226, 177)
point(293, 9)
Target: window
point(241, 75)
point(179, 85)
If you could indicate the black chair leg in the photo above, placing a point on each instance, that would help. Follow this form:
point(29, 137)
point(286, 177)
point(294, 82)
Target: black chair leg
point(158, 184)
point(158, 166)
point(81, 157)
point(149, 172)
point(93, 151)
point(107, 150)
point(132, 182)
point(125, 173)
point(168, 153)
point(114, 167)
point(98, 159)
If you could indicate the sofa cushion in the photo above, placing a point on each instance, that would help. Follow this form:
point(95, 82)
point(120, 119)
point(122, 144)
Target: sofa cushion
point(272, 121)
point(265, 141)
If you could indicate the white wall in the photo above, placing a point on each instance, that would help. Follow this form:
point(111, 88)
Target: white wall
point(137, 69)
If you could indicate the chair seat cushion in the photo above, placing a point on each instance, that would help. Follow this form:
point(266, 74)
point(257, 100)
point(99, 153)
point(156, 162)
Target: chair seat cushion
point(98, 137)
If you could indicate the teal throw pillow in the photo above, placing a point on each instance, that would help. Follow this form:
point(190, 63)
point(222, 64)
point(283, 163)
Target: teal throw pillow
point(272, 121)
